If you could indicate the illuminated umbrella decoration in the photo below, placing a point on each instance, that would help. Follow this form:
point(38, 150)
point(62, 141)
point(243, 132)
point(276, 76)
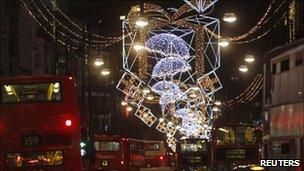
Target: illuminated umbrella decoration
point(170, 66)
point(168, 44)
point(182, 113)
point(165, 87)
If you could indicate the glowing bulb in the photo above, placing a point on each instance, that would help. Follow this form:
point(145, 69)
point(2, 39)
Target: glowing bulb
point(123, 103)
point(56, 85)
point(223, 42)
point(249, 58)
point(8, 88)
point(215, 109)
point(229, 18)
point(122, 17)
point(98, 62)
point(105, 71)
point(218, 103)
point(138, 46)
point(243, 68)
point(150, 97)
point(141, 22)
point(146, 90)
point(193, 95)
point(129, 108)
point(196, 88)
point(68, 122)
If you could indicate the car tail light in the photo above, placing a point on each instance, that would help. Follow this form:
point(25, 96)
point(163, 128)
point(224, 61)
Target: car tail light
point(122, 162)
point(161, 157)
point(68, 122)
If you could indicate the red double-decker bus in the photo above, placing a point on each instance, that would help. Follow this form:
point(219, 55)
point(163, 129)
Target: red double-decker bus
point(39, 124)
point(155, 155)
point(117, 153)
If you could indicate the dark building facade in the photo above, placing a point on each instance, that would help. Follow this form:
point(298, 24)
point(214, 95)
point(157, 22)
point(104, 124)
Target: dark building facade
point(283, 105)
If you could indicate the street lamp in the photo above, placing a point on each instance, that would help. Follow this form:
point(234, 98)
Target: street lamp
point(218, 103)
point(243, 68)
point(129, 108)
point(105, 71)
point(123, 103)
point(141, 22)
point(215, 109)
point(223, 42)
point(249, 58)
point(229, 18)
point(138, 46)
point(98, 62)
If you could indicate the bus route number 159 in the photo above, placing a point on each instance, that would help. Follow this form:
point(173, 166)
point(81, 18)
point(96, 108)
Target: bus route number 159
point(31, 140)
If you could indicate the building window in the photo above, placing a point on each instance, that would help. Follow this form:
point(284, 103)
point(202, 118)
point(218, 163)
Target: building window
point(285, 65)
point(299, 61)
point(274, 68)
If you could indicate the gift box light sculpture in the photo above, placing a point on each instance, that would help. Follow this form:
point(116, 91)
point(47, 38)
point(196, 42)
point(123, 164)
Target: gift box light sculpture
point(177, 64)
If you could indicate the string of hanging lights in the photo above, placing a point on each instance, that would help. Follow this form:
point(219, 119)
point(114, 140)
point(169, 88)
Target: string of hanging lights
point(42, 26)
point(248, 94)
point(264, 34)
point(73, 33)
point(78, 26)
point(63, 37)
point(262, 22)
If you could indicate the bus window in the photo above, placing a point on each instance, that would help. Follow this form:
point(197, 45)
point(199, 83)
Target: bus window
point(48, 158)
point(199, 146)
point(106, 146)
point(152, 146)
point(239, 135)
point(31, 92)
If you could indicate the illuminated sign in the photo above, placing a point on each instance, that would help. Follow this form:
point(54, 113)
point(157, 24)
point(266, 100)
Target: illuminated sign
point(235, 154)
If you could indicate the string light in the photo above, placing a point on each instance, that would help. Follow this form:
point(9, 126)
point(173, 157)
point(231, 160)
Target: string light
point(263, 20)
point(247, 95)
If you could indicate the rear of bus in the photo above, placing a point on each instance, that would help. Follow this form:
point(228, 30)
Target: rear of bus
point(110, 153)
point(39, 121)
point(194, 154)
point(155, 154)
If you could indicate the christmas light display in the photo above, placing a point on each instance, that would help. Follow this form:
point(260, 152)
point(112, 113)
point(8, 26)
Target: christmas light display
point(178, 65)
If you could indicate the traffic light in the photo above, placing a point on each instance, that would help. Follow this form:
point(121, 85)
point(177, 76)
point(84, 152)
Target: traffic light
point(83, 149)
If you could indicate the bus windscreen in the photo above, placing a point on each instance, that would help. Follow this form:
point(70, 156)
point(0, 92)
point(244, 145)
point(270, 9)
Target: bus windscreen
point(106, 145)
point(31, 92)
